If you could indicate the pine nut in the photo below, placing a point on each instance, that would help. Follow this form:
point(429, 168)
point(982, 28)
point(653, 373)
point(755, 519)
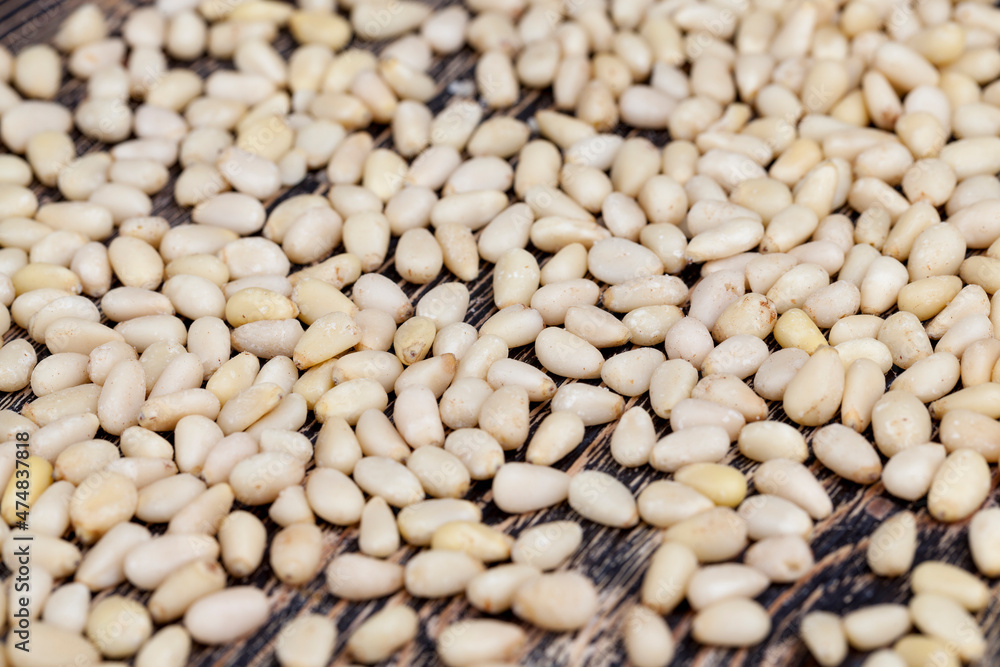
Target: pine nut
point(603, 499)
point(475, 539)
point(244, 609)
point(893, 546)
point(793, 481)
point(307, 641)
point(935, 577)
point(918, 648)
point(184, 587)
point(959, 486)
point(715, 583)
point(522, 487)
point(735, 622)
point(469, 642)
point(847, 453)
point(559, 602)
point(876, 626)
point(823, 634)
point(382, 634)
point(440, 573)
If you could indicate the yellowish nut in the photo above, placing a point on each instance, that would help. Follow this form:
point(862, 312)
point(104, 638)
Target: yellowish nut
point(31, 476)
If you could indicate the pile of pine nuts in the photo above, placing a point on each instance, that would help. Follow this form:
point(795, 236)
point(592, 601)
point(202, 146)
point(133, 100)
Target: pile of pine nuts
point(830, 166)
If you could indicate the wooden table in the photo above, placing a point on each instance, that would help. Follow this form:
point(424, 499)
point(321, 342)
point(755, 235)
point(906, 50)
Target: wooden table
point(616, 560)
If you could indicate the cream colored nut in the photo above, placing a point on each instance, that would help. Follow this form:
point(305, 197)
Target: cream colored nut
point(597, 327)
point(823, 633)
point(435, 373)
point(753, 314)
point(101, 501)
point(648, 641)
point(978, 398)
point(516, 325)
point(418, 522)
point(389, 479)
point(57, 557)
point(959, 486)
point(558, 435)
point(81, 459)
point(118, 626)
point(522, 487)
point(937, 577)
point(439, 573)
point(478, 540)
point(568, 355)
point(493, 591)
point(863, 388)
point(909, 473)
point(307, 641)
point(368, 644)
point(102, 565)
point(945, 619)
point(899, 420)
point(736, 622)
point(122, 397)
point(481, 356)
point(602, 499)
point(847, 453)
point(645, 291)
point(67, 607)
point(554, 300)
point(59, 646)
point(765, 440)
point(515, 278)
point(815, 393)
point(468, 642)
point(296, 553)
point(169, 646)
point(17, 360)
point(260, 478)
point(716, 292)
point(893, 545)
point(664, 503)
point(569, 263)
point(694, 412)
point(244, 609)
point(714, 535)
point(783, 558)
point(671, 382)
point(771, 516)
point(593, 405)
point(918, 648)
point(559, 602)
point(64, 403)
point(876, 626)
point(739, 356)
point(671, 568)
point(699, 444)
point(478, 450)
point(634, 438)
point(350, 399)
point(793, 481)
point(462, 402)
point(334, 496)
point(983, 536)
point(930, 378)
point(971, 300)
point(971, 430)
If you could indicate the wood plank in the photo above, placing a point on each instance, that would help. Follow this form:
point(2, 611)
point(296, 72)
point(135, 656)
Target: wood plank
point(615, 559)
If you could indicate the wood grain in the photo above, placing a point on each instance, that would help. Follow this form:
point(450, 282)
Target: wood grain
point(615, 559)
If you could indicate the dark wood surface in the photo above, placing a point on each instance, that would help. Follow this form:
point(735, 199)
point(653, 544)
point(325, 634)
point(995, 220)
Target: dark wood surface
point(616, 560)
